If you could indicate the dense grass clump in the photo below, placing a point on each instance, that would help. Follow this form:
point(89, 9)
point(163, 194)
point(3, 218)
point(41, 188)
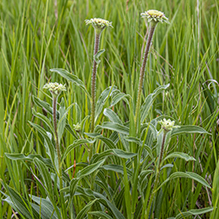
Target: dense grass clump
point(107, 147)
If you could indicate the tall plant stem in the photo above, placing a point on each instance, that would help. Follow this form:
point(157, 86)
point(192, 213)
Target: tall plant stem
point(142, 72)
point(156, 182)
point(59, 156)
point(93, 85)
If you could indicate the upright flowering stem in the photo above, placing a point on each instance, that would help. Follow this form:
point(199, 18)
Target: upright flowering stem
point(54, 106)
point(93, 85)
point(142, 71)
point(55, 90)
point(154, 17)
point(166, 126)
point(99, 25)
point(156, 182)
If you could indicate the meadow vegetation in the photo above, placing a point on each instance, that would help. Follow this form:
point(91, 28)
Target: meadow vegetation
point(83, 153)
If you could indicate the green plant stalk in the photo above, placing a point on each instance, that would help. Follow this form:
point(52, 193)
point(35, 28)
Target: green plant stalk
point(137, 113)
point(137, 166)
point(142, 72)
point(54, 105)
point(93, 98)
point(156, 182)
point(93, 84)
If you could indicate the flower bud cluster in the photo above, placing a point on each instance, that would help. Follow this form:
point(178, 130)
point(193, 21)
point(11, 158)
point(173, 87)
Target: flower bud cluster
point(154, 15)
point(99, 23)
point(167, 125)
point(55, 88)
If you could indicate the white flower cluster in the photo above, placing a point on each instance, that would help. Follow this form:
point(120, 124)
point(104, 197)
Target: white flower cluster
point(154, 15)
point(55, 88)
point(167, 125)
point(99, 23)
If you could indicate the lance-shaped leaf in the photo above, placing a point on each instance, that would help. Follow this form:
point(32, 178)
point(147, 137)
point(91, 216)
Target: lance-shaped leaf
point(114, 127)
point(149, 101)
point(109, 91)
point(42, 104)
point(45, 208)
point(116, 168)
point(189, 175)
point(22, 157)
point(70, 77)
point(20, 204)
point(194, 212)
point(74, 145)
point(97, 56)
point(107, 141)
point(189, 129)
point(90, 169)
point(181, 155)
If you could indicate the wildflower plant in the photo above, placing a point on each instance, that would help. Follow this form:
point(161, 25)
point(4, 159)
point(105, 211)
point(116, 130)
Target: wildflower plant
point(99, 25)
point(125, 177)
point(154, 17)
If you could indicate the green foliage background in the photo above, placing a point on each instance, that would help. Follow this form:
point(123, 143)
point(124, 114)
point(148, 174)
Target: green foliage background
point(38, 35)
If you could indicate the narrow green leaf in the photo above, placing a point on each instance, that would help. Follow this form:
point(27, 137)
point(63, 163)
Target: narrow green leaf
point(188, 129)
point(51, 151)
point(181, 155)
point(118, 97)
point(97, 56)
point(17, 156)
point(215, 193)
point(46, 206)
point(43, 118)
point(149, 101)
point(112, 116)
point(114, 127)
point(85, 209)
point(124, 154)
point(73, 185)
point(74, 145)
point(116, 168)
point(42, 104)
point(70, 77)
point(189, 175)
point(107, 141)
point(20, 204)
point(194, 212)
point(90, 169)
point(109, 91)
point(112, 207)
point(45, 175)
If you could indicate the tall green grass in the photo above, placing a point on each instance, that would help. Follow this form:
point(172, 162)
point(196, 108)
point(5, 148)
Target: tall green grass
point(184, 53)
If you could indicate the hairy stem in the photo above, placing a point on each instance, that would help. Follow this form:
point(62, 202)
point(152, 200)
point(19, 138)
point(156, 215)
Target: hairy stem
point(93, 86)
point(59, 156)
point(156, 182)
point(142, 72)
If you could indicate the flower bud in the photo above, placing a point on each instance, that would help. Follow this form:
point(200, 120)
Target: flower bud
point(55, 88)
point(167, 125)
point(155, 16)
point(99, 24)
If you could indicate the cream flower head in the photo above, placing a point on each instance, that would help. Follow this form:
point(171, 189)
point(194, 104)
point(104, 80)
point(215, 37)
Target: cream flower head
point(167, 125)
point(99, 23)
point(55, 88)
point(155, 15)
